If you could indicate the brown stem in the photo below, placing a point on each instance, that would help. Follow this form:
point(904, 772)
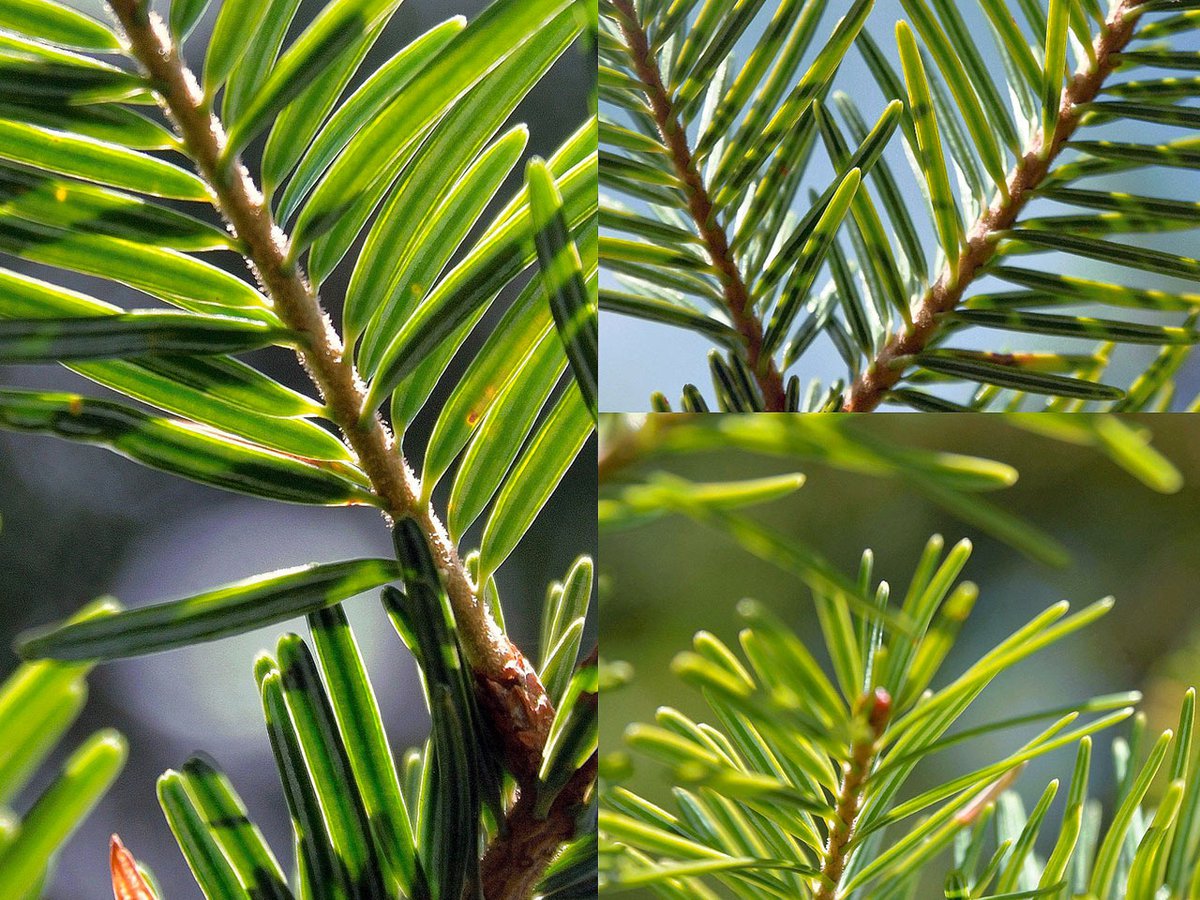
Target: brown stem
point(515, 860)
point(508, 686)
point(513, 864)
point(737, 297)
point(877, 708)
point(870, 388)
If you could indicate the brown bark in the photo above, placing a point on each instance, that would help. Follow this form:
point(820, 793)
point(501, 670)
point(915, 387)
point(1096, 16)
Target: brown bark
point(514, 863)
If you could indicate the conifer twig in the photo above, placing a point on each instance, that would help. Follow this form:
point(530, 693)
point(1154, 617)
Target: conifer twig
point(886, 370)
point(877, 708)
point(738, 302)
point(508, 687)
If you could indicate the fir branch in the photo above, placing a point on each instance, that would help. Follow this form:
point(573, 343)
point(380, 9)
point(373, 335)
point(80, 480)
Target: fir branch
point(944, 295)
point(738, 301)
point(507, 683)
point(877, 707)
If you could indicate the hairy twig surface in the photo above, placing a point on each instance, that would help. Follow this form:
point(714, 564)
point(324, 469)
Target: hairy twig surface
point(738, 302)
point(508, 685)
point(886, 370)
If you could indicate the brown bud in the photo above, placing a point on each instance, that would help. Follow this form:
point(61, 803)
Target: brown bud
point(516, 705)
point(127, 881)
point(879, 711)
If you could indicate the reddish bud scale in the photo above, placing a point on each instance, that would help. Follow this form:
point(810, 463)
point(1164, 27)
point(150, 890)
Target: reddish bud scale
point(880, 711)
point(517, 707)
point(127, 881)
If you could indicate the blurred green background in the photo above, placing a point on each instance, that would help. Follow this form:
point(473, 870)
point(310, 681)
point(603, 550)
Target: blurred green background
point(79, 522)
point(664, 581)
